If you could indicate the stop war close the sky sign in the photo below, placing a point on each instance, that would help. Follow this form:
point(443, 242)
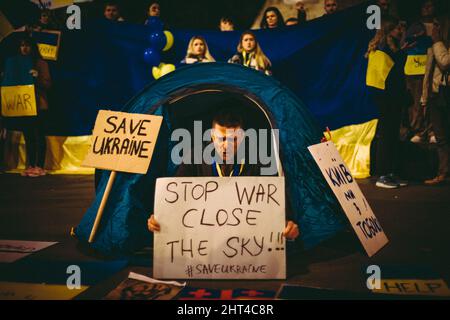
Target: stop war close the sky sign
point(220, 228)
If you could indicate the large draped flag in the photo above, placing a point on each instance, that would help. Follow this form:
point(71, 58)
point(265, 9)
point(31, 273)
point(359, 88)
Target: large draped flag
point(102, 66)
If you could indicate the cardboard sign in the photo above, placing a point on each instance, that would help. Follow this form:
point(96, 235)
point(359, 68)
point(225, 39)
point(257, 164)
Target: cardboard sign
point(350, 197)
point(53, 4)
point(37, 291)
point(220, 228)
point(13, 250)
point(48, 42)
point(48, 52)
point(416, 65)
point(18, 101)
point(139, 287)
point(409, 280)
point(123, 141)
point(414, 287)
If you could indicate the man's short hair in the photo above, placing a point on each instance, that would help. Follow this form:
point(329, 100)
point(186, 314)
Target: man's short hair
point(228, 117)
point(226, 19)
point(112, 4)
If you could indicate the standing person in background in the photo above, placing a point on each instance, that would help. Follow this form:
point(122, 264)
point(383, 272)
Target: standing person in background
point(226, 24)
point(389, 99)
point(154, 10)
point(250, 54)
point(418, 116)
point(271, 19)
point(436, 95)
point(46, 22)
point(35, 143)
point(301, 12)
point(385, 6)
point(111, 12)
point(197, 51)
point(330, 6)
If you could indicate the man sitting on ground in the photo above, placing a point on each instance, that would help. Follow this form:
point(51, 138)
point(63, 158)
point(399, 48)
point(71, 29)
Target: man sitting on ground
point(227, 136)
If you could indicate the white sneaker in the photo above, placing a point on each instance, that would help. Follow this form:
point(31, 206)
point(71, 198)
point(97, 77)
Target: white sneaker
point(433, 139)
point(416, 139)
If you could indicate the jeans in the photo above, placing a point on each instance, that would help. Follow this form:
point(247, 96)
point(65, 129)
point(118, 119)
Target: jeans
point(440, 119)
point(35, 143)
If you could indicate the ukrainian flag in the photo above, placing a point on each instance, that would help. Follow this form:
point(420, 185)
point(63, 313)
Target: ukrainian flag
point(48, 43)
point(353, 141)
point(64, 153)
point(416, 60)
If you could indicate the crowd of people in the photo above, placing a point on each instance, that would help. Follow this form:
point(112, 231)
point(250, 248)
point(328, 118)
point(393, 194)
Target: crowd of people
point(423, 97)
point(417, 103)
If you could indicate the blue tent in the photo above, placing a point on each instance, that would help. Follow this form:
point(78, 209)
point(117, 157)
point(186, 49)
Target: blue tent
point(123, 227)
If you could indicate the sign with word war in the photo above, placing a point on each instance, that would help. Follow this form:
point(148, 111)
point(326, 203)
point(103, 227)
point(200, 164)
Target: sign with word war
point(123, 141)
point(350, 197)
point(18, 101)
point(220, 228)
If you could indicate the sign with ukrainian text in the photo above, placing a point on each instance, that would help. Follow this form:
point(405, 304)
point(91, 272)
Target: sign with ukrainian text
point(123, 141)
point(415, 65)
point(350, 197)
point(220, 228)
point(18, 101)
point(48, 43)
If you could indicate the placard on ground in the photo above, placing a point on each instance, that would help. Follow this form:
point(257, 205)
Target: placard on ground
point(350, 196)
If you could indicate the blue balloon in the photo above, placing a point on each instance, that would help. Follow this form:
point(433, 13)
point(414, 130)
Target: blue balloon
point(155, 24)
point(152, 56)
point(157, 40)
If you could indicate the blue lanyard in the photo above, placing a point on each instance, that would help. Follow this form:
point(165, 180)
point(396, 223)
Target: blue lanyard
point(237, 170)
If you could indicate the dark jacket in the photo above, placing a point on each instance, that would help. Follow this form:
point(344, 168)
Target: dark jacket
point(42, 84)
point(249, 61)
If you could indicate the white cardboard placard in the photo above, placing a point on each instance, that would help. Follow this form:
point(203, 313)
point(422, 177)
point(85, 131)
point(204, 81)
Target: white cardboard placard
point(220, 228)
point(350, 197)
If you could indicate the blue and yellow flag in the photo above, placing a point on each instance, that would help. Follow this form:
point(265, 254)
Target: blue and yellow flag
point(48, 43)
point(18, 96)
point(378, 68)
point(416, 60)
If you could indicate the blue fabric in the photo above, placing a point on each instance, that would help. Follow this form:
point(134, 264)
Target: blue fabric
point(102, 66)
point(17, 71)
point(46, 38)
point(124, 228)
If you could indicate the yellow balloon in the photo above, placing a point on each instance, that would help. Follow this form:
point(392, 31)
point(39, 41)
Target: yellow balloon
point(156, 72)
point(169, 40)
point(167, 68)
point(162, 70)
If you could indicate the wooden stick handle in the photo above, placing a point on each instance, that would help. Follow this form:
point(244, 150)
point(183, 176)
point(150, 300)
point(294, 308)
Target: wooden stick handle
point(109, 185)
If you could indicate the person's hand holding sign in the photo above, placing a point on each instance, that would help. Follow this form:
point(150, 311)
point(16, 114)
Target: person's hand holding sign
point(34, 73)
point(291, 231)
point(153, 225)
